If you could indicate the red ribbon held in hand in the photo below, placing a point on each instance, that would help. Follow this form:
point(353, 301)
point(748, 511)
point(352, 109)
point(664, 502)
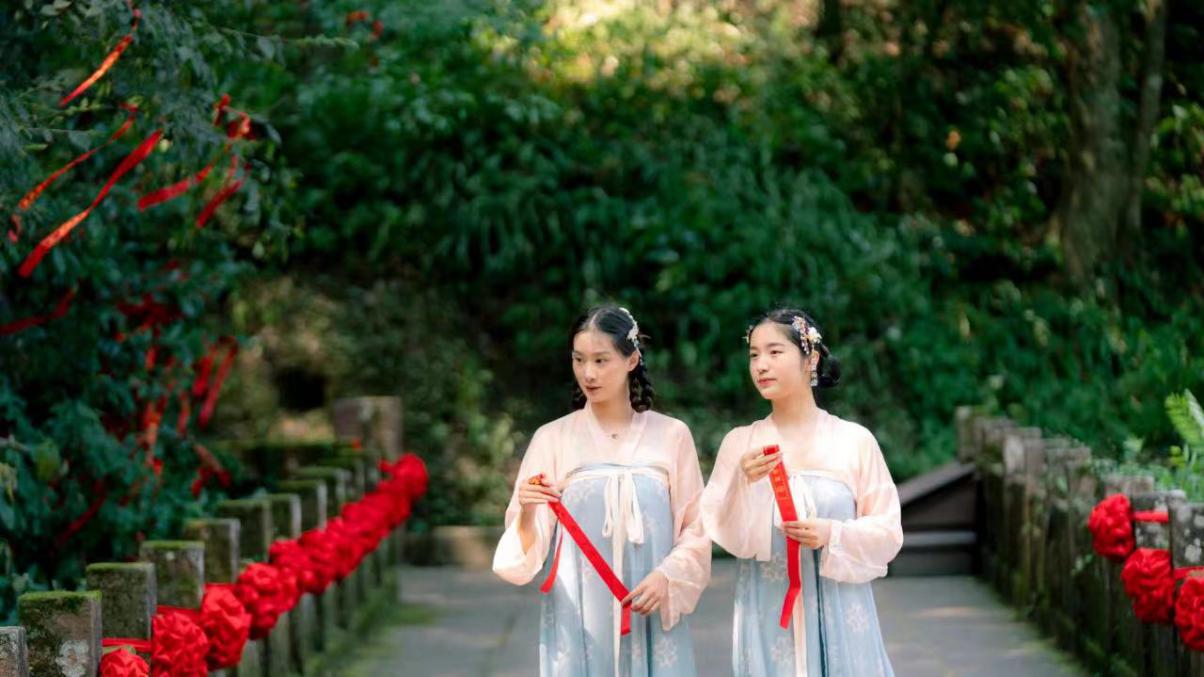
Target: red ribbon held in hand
point(781, 493)
point(591, 553)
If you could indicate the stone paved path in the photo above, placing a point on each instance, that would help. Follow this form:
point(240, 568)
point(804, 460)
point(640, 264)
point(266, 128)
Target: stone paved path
point(459, 623)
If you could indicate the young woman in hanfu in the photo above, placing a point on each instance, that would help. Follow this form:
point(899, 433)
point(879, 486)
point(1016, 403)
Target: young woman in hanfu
point(846, 529)
point(629, 478)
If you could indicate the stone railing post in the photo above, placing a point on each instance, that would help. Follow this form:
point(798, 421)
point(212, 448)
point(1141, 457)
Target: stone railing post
point(1187, 550)
point(14, 657)
point(221, 538)
point(128, 595)
point(62, 631)
point(1128, 647)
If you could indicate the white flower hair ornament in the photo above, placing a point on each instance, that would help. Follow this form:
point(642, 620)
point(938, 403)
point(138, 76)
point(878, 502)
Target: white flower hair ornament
point(633, 334)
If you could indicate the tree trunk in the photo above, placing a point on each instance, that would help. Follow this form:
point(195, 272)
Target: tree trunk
point(1088, 214)
point(1147, 116)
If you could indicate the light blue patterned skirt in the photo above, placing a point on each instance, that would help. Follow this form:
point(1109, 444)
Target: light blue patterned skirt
point(842, 633)
point(628, 506)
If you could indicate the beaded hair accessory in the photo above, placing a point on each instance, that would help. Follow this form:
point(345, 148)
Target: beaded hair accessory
point(809, 337)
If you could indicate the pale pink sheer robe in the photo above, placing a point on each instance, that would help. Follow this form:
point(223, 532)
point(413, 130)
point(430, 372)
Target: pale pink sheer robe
point(742, 517)
point(575, 440)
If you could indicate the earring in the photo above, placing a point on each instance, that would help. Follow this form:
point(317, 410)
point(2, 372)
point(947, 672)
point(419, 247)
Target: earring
point(814, 379)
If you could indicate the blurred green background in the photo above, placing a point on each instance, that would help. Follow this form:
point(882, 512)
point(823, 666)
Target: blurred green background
point(983, 202)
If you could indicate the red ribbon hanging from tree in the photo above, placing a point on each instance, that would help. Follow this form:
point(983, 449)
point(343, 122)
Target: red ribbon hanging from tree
point(50, 241)
point(60, 309)
point(33, 195)
point(781, 493)
point(110, 59)
point(240, 128)
point(215, 388)
point(228, 190)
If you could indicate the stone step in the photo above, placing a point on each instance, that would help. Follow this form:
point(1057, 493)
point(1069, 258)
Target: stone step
point(943, 552)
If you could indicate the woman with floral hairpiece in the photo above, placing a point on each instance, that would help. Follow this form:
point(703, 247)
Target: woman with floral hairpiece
point(817, 618)
point(629, 477)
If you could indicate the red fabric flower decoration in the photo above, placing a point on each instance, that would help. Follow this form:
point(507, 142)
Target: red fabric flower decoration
point(1149, 584)
point(293, 556)
point(1189, 613)
point(1111, 525)
point(266, 592)
point(179, 646)
point(227, 625)
point(123, 663)
point(346, 546)
point(323, 558)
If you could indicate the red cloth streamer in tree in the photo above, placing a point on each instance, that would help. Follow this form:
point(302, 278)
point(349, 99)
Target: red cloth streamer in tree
point(226, 623)
point(267, 592)
point(239, 128)
point(100, 490)
point(592, 555)
point(123, 663)
point(1189, 610)
point(1149, 584)
point(179, 645)
point(109, 60)
point(33, 195)
point(224, 194)
point(215, 388)
point(174, 190)
point(60, 309)
point(50, 241)
point(1111, 526)
point(781, 493)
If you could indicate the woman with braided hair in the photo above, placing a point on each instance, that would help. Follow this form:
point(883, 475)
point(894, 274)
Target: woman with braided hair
point(804, 605)
point(629, 478)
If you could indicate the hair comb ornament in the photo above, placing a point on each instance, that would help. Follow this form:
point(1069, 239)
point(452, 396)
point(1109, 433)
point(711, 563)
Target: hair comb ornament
point(809, 336)
point(633, 334)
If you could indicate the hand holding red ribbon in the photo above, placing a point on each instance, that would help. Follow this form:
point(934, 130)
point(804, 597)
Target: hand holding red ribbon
point(781, 493)
point(591, 553)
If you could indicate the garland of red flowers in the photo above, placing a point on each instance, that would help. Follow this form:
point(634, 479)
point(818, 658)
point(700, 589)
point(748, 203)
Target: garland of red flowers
point(267, 592)
point(1189, 612)
point(1149, 577)
point(123, 663)
point(1149, 584)
point(1111, 525)
point(226, 623)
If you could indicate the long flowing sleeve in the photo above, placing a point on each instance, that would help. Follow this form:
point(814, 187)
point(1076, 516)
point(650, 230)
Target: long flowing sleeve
point(688, 565)
point(859, 549)
point(509, 560)
point(730, 502)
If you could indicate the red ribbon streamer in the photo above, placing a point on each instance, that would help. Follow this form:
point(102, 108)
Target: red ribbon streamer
point(239, 129)
point(1158, 516)
point(781, 493)
point(174, 190)
point(60, 309)
point(1183, 573)
point(139, 645)
point(100, 490)
point(591, 553)
point(50, 241)
point(224, 194)
point(109, 60)
point(33, 195)
point(216, 388)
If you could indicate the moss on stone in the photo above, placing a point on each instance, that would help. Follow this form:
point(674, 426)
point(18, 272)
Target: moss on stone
point(173, 545)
